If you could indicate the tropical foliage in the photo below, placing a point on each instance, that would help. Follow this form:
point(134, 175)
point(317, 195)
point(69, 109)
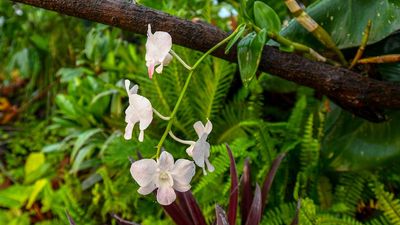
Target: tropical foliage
point(62, 115)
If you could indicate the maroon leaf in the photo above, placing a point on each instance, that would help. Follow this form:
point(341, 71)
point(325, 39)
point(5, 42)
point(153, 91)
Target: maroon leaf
point(183, 206)
point(70, 220)
point(254, 216)
point(177, 214)
point(234, 193)
point(220, 215)
point(295, 220)
point(270, 178)
point(121, 221)
point(246, 191)
point(192, 208)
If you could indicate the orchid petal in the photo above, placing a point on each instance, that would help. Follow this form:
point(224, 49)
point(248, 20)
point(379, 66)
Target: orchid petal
point(181, 187)
point(198, 152)
point(141, 136)
point(150, 70)
point(166, 161)
point(159, 68)
point(128, 131)
point(127, 85)
point(158, 46)
point(209, 166)
point(143, 171)
point(165, 195)
point(199, 128)
point(183, 171)
point(189, 150)
point(147, 189)
point(167, 59)
point(208, 127)
point(149, 34)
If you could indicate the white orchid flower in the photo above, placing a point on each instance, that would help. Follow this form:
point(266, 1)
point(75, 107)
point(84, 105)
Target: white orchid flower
point(163, 174)
point(139, 110)
point(199, 150)
point(158, 46)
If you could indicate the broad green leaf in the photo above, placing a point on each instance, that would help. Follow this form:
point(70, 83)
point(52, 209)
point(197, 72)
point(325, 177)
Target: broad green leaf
point(82, 139)
point(266, 18)
point(34, 161)
point(249, 54)
point(66, 105)
point(352, 143)
point(14, 196)
point(246, 9)
point(68, 74)
point(85, 151)
point(346, 21)
point(236, 38)
point(37, 188)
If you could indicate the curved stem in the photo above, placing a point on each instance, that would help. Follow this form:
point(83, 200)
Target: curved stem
point(180, 60)
point(178, 103)
point(160, 115)
point(186, 142)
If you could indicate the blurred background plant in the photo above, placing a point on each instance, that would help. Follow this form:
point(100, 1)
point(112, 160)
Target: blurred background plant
point(62, 109)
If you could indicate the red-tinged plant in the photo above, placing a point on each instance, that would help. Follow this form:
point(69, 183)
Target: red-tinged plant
point(186, 211)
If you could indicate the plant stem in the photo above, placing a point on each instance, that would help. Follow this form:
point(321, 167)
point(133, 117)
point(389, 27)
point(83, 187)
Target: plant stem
point(178, 103)
point(314, 28)
point(364, 42)
point(160, 115)
point(186, 142)
point(180, 60)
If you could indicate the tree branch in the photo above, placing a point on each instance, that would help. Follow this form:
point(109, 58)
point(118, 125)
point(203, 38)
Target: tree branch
point(361, 95)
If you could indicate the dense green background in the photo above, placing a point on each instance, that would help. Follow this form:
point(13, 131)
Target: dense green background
point(64, 150)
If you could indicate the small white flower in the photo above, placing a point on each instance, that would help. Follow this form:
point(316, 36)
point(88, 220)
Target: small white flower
point(139, 110)
point(200, 150)
point(158, 46)
point(164, 175)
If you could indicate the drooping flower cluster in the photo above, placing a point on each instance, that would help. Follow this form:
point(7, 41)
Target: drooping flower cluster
point(163, 174)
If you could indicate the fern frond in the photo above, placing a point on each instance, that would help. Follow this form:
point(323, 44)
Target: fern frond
point(265, 144)
point(308, 213)
point(297, 116)
point(310, 147)
point(349, 191)
point(326, 219)
point(381, 220)
point(387, 203)
point(221, 162)
point(280, 215)
point(211, 84)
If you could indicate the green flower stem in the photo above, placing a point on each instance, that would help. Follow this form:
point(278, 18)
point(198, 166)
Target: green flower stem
point(160, 115)
point(180, 60)
point(186, 142)
point(178, 103)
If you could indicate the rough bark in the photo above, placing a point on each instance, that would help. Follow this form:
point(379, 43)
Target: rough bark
point(361, 95)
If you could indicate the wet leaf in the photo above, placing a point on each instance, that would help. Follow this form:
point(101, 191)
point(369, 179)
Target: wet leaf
point(249, 54)
point(266, 18)
point(345, 21)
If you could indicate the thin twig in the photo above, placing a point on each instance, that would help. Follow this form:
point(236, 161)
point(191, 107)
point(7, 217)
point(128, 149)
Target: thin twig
point(393, 58)
point(364, 42)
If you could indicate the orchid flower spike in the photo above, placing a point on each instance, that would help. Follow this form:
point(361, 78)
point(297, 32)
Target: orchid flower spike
point(139, 110)
point(163, 174)
point(200, 150)
point(158, 46)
